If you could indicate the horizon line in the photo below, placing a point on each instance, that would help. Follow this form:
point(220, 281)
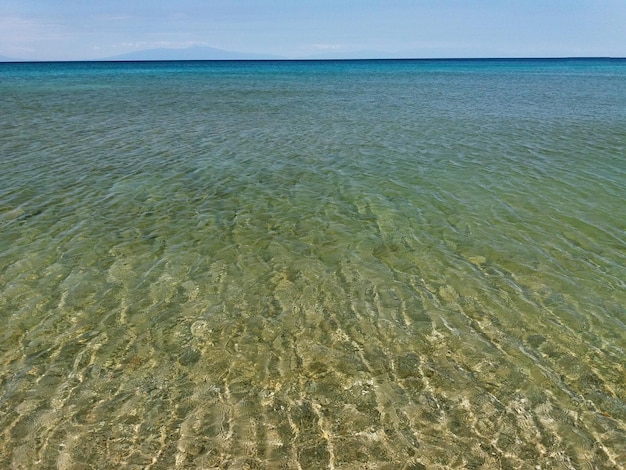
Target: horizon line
point(304, 59)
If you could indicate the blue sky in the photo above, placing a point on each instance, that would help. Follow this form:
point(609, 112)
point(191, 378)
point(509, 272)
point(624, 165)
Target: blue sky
point(86, 29)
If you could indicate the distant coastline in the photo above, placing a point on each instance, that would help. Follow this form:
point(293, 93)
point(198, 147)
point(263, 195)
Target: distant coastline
point(201, 53)
point(7, 60)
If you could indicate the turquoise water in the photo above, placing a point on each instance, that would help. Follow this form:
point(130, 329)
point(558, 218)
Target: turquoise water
point(361, 264)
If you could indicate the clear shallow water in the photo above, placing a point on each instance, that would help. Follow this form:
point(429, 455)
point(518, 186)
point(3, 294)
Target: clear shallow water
point(315, 264)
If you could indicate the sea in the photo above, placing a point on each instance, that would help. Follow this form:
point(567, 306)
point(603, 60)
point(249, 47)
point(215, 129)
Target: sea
point(370, 264)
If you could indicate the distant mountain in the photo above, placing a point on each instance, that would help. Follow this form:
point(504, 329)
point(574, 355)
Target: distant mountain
point(9, 59)
point(189, 53)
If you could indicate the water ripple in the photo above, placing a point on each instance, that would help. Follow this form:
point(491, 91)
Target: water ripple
point(311, 267)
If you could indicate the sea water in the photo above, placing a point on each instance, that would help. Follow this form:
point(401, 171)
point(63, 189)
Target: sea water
point(352, 264)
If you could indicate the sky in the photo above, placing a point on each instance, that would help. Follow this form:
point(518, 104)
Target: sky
point(93, 29)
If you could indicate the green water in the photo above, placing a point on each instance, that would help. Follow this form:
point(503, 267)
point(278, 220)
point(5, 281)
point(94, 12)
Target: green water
point(344, 265)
